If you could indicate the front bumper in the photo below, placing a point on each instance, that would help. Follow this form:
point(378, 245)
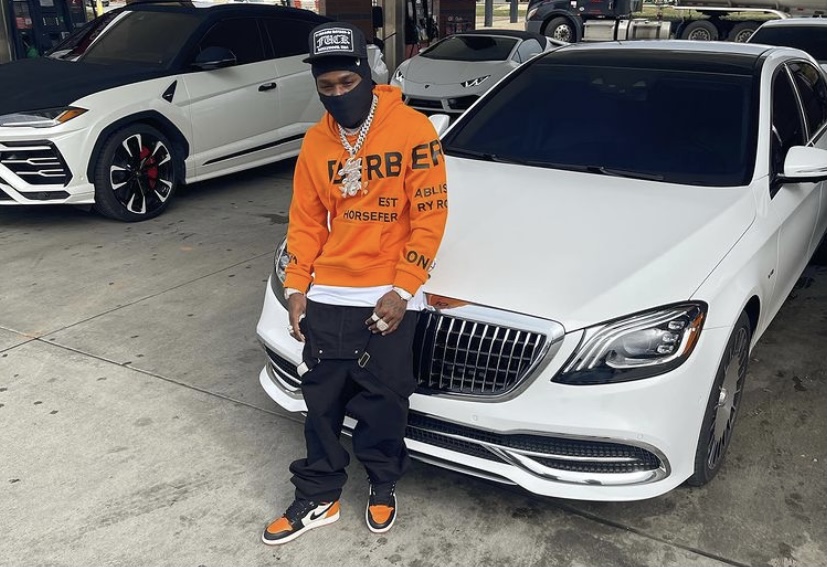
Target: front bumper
point(44, 167)
point(437, 99)
point(614, 442)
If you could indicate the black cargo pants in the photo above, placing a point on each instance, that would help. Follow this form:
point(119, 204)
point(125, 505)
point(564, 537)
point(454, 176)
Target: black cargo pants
point(367, 376)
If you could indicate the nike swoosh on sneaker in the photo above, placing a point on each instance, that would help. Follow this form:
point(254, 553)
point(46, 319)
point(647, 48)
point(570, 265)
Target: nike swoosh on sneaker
point(315, 516)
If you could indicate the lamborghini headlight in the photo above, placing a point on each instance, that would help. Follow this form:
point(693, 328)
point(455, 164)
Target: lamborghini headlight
point(636, 347)
point(46, 118)
point(474, 82)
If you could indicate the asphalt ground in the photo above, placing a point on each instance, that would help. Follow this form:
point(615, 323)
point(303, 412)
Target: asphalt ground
point(133, 430)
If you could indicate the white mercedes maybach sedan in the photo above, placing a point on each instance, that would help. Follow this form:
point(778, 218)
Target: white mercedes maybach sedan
point(625, 222)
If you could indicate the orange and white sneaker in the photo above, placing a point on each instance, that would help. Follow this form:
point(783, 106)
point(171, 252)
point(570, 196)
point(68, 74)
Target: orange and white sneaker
point(381, 510)
point(301, 516)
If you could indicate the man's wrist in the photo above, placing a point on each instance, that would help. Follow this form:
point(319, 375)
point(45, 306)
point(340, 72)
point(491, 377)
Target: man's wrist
point(288, 291)
point(405, 295)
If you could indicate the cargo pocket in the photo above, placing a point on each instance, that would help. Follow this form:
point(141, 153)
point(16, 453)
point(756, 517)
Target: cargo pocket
point(391, 356)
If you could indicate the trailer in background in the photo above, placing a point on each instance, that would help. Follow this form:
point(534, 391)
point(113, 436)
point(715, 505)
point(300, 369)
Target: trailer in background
point(704, 20)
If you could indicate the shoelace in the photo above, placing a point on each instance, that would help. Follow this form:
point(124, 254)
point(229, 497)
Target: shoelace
point(382, 494)
point(299, 509)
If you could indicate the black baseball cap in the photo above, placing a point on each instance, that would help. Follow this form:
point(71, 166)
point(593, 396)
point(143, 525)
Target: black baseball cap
point(336, 39)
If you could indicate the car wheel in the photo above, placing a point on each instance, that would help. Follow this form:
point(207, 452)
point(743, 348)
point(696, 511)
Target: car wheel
point(561, 29)
point(135, 174)
point(740, 33)
point(700, 30)
point(722, 406)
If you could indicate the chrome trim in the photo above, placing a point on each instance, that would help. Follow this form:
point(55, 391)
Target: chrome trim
point(276, 376)
point(572, 477)
point(459, 467)
point(522, 459)
point(467, 312)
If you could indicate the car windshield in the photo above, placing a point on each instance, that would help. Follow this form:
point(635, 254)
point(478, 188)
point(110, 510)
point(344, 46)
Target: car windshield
point(678, 127)
point(472, 48)
point(150, 38)
point(813, 40)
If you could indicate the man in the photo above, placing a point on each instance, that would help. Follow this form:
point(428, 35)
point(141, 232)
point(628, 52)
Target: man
point(367, 216)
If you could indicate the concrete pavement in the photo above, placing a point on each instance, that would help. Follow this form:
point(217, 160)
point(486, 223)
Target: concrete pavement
point(133, 429)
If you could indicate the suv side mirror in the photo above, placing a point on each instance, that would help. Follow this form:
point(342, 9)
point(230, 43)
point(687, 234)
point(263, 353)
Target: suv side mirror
point(214, 58)
point(805, 164)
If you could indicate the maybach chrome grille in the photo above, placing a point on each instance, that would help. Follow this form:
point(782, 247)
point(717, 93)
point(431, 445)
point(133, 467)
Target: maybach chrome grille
point(461, 356)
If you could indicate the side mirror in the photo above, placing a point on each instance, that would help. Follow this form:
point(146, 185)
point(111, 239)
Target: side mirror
point(441, 122)
point(804, 164)
point(214, 58)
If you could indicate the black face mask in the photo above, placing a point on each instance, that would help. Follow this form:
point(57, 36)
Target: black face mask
point(352, 108)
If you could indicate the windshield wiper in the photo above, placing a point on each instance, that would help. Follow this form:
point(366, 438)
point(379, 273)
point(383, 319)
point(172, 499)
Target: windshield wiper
point(614, 172)
point(461, 152)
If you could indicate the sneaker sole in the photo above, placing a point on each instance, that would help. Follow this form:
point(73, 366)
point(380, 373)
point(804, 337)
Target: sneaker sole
point(306, 529)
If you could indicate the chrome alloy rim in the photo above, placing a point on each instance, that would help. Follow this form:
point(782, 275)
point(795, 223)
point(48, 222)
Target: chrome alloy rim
point(729, 396)
point(742, 36)
point(563, 33)
point(700, 35)
point(141, 174)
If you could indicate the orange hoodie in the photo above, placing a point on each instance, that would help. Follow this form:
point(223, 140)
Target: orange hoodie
point(387, 234)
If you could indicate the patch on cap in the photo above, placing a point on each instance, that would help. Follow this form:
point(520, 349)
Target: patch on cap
point(333, 41)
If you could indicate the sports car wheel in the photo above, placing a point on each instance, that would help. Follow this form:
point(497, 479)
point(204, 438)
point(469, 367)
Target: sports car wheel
point(722, 406)
point(135, 174)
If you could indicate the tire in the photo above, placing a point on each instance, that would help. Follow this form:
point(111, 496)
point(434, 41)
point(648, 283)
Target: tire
point(561, 29)
point(740, 33)
point(722, 405)
point(700, 30)
point(135, 175)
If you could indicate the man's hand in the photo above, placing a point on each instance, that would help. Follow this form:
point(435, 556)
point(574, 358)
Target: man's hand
point(296, 306)
point(389, 309)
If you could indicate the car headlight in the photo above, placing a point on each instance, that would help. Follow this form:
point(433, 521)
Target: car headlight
point(474, 82)
point(45, 118)
point(280, 261)
point(636, 347)
point(399, 76)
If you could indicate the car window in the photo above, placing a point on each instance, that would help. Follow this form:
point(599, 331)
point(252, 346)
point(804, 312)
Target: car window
point(288, 36)
point(239, 35)
point(471, 48)
point(528, 49)
point(813, 91)
point(696, 128)
point(787, 125)
point(151, 38)
point(813, 40)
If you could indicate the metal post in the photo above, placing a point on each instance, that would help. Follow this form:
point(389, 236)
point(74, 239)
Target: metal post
point(514, 12)
point(5, 40)
point(394, 33)
point(489, 13)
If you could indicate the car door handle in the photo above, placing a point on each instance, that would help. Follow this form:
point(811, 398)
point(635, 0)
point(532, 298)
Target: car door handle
point(266, 87)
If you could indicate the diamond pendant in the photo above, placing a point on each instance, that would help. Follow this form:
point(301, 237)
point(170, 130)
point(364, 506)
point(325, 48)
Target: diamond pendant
point(352, 177)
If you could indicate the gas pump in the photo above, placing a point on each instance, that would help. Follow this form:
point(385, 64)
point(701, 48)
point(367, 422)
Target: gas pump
point(32, 27)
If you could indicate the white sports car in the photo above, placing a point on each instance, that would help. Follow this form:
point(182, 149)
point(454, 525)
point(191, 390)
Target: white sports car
point(449, 76)
point(152, 96)
point(608, 264)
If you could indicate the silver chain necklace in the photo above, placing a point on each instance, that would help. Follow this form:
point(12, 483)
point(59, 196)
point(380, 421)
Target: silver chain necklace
point(352, 170)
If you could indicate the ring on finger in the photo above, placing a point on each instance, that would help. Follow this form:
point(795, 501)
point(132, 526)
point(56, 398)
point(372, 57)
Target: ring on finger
point(382, 325)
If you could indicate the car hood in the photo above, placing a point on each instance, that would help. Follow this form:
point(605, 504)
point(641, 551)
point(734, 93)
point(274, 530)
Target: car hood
point(34, 84)
point(580, 248)
point(443, 72)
